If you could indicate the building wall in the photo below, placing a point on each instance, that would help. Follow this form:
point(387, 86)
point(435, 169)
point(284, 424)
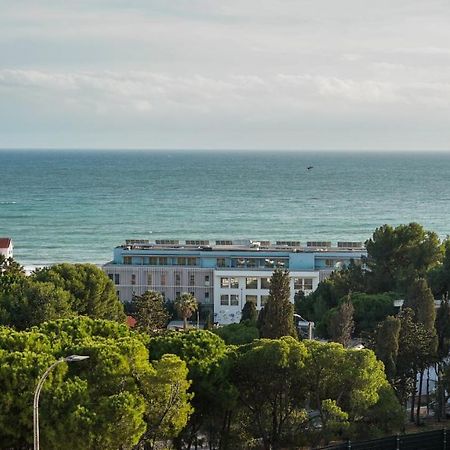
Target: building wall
point(8, 251)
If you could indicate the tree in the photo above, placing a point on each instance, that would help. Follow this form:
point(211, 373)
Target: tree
point(397, 256)
point(249, 313)
point(237, 333)
point(92, 293)
point(150, 313)
point(186, 305)
point(386, 346)
point(104, 402)
point(31, 303)
point(209, 361)
point(11, 273)
point(341, 324)
point(269, 375)
point(421, 300)
point(278, 316)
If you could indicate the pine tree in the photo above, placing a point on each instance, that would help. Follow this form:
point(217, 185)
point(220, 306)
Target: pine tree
point(249, 313)
point(386, 344)
point(277, 320)
point(150, 313)
point(421, 300)
point(342, 324)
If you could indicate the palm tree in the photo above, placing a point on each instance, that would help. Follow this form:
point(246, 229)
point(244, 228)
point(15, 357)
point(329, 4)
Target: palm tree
point(186, 305)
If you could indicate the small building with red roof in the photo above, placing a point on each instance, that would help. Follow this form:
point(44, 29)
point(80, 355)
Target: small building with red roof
point(6, 247)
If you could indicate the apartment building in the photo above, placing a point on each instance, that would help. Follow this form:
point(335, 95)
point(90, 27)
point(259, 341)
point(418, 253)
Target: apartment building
point(224, 274)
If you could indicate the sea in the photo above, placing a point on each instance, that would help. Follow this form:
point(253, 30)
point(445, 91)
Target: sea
point(76, 206)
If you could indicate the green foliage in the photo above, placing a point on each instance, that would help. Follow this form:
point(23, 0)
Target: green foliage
point(30, 303)
point(386, 344)
point(104, 402)
point(237, 333)
point(421, 300)
point(278, 313)
point(186, 305)
point(11, 274)
point(92, 292)
point(397, 256)
point(150, 313)
point(249, 313)
point(341, 324)
point(269, 375)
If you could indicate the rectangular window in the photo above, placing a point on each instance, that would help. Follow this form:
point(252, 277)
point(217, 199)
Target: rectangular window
point(177, 279)
point(265, 283)
point(224, 300)
point(153, 261)
point(234, 283)
point(264, 299)
point(251, 262)
point(163, 278)
point(111, 276)
point(224, 282)
point(177, 294)
point(251, 283)
point(127, 259)
point(234, 300)
point(191, 279)
point(181, 261)
point(308, 284)
point(298, 284)
point(133, 278)
point(206, 295)
point(220, 262)
point(116, 278)
point(149, 279)
point(206, 280)
point(191, 261)
point(163, 261)
point(251, 298)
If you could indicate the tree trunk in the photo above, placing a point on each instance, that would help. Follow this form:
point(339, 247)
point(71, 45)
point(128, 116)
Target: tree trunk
point(413, 398)
point(419, 398)
point(428, 391)
point(184, 323)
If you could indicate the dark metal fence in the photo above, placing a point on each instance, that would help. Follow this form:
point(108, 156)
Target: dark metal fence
point(428, 440)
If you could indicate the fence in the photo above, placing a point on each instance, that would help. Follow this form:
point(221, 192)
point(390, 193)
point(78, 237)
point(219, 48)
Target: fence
point(428, 440)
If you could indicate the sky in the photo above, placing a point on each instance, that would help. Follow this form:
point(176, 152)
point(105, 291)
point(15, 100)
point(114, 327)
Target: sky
point(234, 74)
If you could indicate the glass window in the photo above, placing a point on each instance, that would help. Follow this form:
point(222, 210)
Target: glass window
point(127, 259)
point(220, 262)
point(265, 283)
point(224, 300)
point(234, 300)
point(153, 261)
point(264, 299)
point(251, 283)
point(116, 278)
point(251, 298)
point(191, 261)
point(181, 261)
point(269, 262)
point(206, 295)
point(149, 279)
point(177, 279)
point(207, 279)
point(240, 262)
point(133, 278)
point(163, 261)
point(298, 283)
point(308, 284)
point(177, 294)
point(251, 262)
point(234, 283)
point(111, 276)
point(191, 279)
point(163, 278)
point(225, 282)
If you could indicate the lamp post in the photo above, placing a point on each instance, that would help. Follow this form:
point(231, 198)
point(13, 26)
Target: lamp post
point(72, 358)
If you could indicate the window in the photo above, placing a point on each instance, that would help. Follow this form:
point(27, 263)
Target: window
point(234, 300)
point(118, 294)
point(116, 278)
point(251, 298)
point(206, 295)
point(149, 279)
point(298, 284)
point(177, 294)
point(133, 278)
point(225, 282)
point(234, 283)
point(191, 279)
point(224, 300)
point(264, 299)
point(240, 262)
point(251, 262)
point(191, 261)
point(265, 283)
point(163, 278)
point(220, 262)
point(177, 279)
point(153, 261)
point(163, 261)
point(303, 284)
point(127, 259)
point(308, 284)
point(251, 283)
point(111, 276)
point(181, 261)
point(206, 280)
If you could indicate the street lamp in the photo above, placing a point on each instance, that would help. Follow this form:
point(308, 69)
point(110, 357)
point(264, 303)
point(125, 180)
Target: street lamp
point(71, 358)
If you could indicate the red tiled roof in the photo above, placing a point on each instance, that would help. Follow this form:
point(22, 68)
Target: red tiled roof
point(5, 242)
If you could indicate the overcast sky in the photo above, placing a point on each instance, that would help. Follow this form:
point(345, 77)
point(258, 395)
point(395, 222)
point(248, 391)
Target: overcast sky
point(244, 74)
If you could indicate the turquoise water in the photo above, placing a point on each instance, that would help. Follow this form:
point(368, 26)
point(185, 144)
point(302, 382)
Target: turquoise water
point(76, 206)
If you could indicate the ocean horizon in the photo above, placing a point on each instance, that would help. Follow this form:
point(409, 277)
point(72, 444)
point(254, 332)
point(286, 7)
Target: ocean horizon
point(76, 206)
